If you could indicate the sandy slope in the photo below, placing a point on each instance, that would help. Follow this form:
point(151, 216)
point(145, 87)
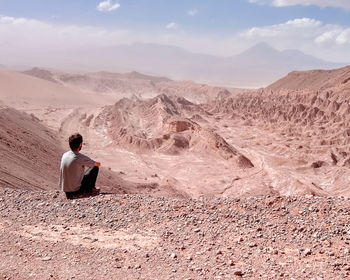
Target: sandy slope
point(28, 152)
point(20, 90)
point(48, 100)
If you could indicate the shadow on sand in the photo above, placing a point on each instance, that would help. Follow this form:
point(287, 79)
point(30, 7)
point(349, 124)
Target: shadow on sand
point(85, 195)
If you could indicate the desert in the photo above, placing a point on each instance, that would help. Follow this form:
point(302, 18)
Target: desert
point(289, 138)
point(219, 184)
point(218, 132)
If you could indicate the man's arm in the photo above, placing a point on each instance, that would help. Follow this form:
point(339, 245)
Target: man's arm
point(88, 162)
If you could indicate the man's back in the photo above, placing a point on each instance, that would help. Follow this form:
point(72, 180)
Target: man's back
point(72, 170)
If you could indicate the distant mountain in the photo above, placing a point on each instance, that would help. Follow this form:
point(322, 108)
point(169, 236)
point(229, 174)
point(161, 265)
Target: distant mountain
point(257, 66)
point(262, 64)
point(41, 73)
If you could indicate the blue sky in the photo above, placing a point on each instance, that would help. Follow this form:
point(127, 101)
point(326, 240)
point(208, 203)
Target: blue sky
point(220, 15)
point(220, 27)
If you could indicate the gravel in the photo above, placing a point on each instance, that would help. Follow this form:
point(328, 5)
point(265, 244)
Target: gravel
point(45, 236)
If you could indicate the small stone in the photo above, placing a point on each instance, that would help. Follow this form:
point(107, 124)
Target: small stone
point(173, 256)
point(307, 252)
point(45, 259)
point(238, 272)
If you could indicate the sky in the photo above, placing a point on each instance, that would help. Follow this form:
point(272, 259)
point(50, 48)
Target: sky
point(219, 27)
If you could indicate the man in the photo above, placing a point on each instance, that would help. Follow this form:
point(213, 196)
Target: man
point(74, 180)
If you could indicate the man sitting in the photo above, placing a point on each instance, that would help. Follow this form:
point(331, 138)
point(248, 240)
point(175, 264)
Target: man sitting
point(74, 180)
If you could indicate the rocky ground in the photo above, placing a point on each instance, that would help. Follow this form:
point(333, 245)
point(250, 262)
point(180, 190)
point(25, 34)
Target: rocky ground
point(45, 236)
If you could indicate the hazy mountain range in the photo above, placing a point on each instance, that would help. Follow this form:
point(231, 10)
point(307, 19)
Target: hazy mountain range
point(255, 67)
point(258, 66)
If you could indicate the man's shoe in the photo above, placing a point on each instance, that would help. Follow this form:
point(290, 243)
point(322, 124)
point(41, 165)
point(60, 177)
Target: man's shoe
point(95, 191)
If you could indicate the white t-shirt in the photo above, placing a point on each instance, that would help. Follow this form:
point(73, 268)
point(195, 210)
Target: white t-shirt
point(72, 170)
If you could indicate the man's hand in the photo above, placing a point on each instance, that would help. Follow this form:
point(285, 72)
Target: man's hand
point(98, 164)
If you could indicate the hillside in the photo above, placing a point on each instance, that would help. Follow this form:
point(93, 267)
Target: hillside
point(128, 85)
point(45, 236)
point(302, 121)
point(314, 80)
point(22, 91)
point(290, 138)
point(27, 149)
point(31, 153)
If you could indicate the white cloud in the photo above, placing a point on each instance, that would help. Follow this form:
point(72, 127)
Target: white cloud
point(192, 12)
point(303, 31)
point(328, 41)
point(172, 25)
point(303, 27)
point(343, 38)
point(344, 4)
point(107, 6)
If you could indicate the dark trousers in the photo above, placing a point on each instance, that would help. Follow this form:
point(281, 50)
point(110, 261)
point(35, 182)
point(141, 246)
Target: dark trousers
point(87, 183)
point(89, 180)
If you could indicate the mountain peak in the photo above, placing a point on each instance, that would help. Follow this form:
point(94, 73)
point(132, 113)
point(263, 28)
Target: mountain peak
point(262, 46)
point(259, 49)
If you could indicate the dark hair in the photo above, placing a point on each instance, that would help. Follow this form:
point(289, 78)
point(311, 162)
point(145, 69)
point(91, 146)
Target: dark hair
point(75, 140)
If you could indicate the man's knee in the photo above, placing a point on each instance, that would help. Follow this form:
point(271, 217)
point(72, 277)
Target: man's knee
point(96, 169)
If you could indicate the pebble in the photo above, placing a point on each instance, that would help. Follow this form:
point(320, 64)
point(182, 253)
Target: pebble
point(307, 252)
point(238, 273)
